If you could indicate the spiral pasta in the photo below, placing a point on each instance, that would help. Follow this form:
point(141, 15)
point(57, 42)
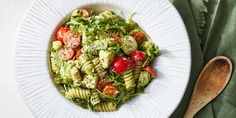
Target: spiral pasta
point(95, 47)
point(105, 106)
point(137, 69)
point(87, 65)
point(112, 33)
point(77, 64)
point(144, 79)
point(90, 81)
point(129, 44)
point(106, 58)
point(73, 70)
point(95, 99)
point(129, 79)
point(56, 62)
point(97, 65)
point(70, 71)
point(88, 49)
point(76, 76)
point(75, 93)
point(98, 45)
point(83, 58)
point(98, 59)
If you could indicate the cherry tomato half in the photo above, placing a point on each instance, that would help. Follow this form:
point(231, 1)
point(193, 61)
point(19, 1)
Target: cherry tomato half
point(101, 84)
point(138, 55)
point(71, 40)
point(120, 64)
point(139, 37)
point(66, 53)
point(109, 89)
point(60, 33)
point(151, 71)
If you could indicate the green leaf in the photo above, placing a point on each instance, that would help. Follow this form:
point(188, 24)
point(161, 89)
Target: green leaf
point(82, 103)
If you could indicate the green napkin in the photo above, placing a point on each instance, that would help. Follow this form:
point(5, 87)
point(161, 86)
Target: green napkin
point(211, 26)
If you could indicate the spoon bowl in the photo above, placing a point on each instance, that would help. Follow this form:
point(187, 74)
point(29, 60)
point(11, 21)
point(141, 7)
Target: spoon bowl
point(211, 82)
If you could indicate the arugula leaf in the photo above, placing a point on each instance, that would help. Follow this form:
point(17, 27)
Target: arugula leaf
point(83, 103)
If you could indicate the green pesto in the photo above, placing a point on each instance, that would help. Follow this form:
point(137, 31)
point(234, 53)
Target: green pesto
point(80, 76)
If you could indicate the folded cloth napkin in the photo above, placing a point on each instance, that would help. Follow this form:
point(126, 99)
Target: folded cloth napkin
point(211, 26)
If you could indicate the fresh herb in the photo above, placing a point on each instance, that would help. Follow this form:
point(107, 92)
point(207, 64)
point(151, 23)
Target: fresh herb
point(100, 44)
point(83, 103)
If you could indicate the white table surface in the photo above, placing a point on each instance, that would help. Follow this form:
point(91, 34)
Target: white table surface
point(12, 104)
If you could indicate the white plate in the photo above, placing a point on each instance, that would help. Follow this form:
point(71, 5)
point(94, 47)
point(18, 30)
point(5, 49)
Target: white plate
point(157, 17)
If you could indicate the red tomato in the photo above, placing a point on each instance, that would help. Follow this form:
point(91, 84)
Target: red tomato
point(78, 53)
point(120, 64)
point(139, 37)
point(109, 89)
point(66, 53)
point(84, 12)
point(117, 38)
point(132, 63)
point(60, 33)
point(151, 71)
point(138, 55)
point(71, 40)
point(101, 84)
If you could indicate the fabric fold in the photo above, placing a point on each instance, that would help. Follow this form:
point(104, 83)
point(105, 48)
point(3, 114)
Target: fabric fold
point(211, 26)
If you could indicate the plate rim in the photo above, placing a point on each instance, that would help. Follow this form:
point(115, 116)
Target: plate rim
point(26, 12)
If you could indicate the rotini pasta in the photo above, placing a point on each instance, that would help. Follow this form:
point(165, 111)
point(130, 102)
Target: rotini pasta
point(56, 62)
point(87, 49)
point(144, 79)
point(90, 81)
point(129, 79)
point(97, 65)
point(75, 93)
point(105, 106)
point(87, 67)
point(129, 44)
point(106, 58)
point(76, 76)
point(95, 99)
point(137, 69)
point(83, 58)
point(98, 45)
point(70, 71)
point(86, 63)
point(101, 60)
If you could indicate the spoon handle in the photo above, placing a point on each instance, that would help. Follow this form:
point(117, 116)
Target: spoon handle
point(194, 107)
point(189, 113)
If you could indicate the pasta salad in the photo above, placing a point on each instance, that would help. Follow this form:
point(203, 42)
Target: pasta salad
point(100, 60)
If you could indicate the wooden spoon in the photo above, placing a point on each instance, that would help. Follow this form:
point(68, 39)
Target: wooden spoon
point(211, 81)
